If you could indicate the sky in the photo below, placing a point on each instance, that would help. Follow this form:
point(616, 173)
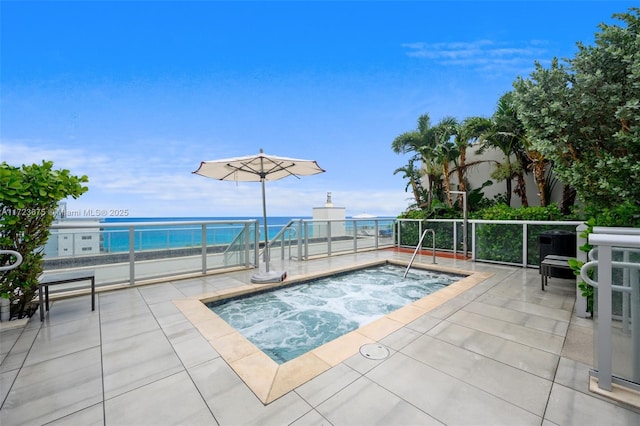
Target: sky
point(136, 94)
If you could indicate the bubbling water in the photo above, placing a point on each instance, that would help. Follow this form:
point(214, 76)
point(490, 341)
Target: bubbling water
point(290, 321)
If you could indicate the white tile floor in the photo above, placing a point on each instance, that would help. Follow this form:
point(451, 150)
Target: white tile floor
point(503, 352)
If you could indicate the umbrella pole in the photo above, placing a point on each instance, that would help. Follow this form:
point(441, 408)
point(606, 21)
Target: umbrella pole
point(266, 232)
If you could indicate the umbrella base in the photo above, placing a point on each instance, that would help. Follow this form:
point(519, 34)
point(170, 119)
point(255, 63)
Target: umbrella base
point(269, 277)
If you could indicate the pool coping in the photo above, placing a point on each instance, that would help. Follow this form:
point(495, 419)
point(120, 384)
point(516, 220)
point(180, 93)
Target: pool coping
point(269, 380)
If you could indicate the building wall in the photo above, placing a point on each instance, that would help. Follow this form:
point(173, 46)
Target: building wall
point(480, 173)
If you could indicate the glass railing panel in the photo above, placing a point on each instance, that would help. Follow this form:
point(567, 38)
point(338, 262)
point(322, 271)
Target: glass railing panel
point(499, 242)
point(241, 250)
point(409, 233)
point(533, 240)
point(444, 235)
point(626, 317)
point(159, 250)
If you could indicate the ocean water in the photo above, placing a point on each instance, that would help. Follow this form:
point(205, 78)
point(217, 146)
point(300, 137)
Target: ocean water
point(161, 237)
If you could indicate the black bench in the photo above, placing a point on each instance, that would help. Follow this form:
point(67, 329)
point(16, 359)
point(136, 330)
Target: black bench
point(552, 261)
point(64, 278)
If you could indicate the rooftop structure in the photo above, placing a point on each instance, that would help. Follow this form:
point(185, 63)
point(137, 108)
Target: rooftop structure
point(501, 352)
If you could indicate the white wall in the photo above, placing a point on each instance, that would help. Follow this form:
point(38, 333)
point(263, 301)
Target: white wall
point(477, 175)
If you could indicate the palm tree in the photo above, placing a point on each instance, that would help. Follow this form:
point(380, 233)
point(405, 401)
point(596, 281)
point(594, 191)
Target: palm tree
point(421, 142)
point(506, 133)
point(469, 131)
point(414, 176)
point(446, 151)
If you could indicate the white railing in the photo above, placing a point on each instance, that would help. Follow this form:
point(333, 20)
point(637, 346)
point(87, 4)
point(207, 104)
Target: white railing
point(614, 270)
point(516, 242)
point(126, 252)
point(15, 264)
point(301, 239)
point(122, 253)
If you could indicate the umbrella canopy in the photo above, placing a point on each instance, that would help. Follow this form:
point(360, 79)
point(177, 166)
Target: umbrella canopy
point(258, 168)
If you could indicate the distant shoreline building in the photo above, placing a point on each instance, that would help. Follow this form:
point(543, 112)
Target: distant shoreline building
point(329, 212)
point(72, 241)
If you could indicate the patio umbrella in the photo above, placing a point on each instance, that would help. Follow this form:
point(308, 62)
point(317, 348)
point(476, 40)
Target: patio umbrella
point(259, 168)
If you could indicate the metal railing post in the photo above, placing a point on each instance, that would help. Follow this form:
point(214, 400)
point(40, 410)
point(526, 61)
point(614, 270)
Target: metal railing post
point(524, 246)
point(355, 236)
point(247, 245)
point(132, 256)
point(306, 240)
point(300, 230)
point(604, 317)
point(203, 238)
point(473, 241)
point(257, 244)
point(375, 230)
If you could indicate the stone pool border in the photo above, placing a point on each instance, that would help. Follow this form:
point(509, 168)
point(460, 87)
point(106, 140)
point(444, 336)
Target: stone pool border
point(269, 380)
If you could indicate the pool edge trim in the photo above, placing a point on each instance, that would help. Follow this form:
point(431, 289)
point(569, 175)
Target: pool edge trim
point(269, 380)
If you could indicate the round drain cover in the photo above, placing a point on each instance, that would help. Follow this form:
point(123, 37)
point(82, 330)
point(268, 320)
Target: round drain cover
point(374, 351)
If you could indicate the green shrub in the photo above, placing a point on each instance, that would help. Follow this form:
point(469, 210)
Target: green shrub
point(28, 200)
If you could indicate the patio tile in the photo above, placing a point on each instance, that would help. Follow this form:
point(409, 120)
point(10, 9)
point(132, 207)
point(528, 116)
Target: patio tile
point(312, 418)
point(197, 286)
point(532, 321)
point(54, 389)
point(184, 405)
point(327, 384)
point(365, 402)
point(160, 293)
point(400, 338)
point(484, 373)
point(578, 344)
point(501, 325)
point(91, 416)
point(574, 375)
point(570, 407)
point(362, 364)
point(526, 307)
point(232, 403)
point(64, 338)
point(8, 339)
point(124, 324)
point(526, 358)
point(517, 333)
point(72, 309)
point(424, 323)
point(168, 314)
point(445, 398)
point(120, 300)
point(6, 381)
point(190, 346)
point(126, 362)
point(19, 350)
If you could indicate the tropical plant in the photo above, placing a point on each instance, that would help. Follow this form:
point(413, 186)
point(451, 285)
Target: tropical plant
point(28, 199)
point(468, 133)
point(414, 177)
point(584, 115)
point(446, 152)
point(422, 143)
point(505, 132)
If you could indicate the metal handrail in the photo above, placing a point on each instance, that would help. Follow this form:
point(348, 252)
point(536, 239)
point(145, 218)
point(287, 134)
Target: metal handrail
point(15, 264)
point(607, 243)
point(415, 252)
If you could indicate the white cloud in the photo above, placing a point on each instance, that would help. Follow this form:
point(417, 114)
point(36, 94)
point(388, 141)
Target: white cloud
point(150, 187)
point(481, 55)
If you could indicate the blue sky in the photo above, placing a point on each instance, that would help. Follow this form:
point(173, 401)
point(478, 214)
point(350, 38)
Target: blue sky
point(136, 94)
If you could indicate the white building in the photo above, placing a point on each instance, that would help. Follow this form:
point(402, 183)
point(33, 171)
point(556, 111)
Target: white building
point(328, 213)
point(77, 241)
point(73, 241)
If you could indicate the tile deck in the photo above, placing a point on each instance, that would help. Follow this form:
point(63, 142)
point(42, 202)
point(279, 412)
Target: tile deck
point(492, 349)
